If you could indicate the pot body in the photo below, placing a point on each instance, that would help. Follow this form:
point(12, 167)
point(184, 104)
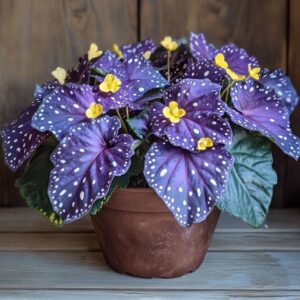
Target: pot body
point(139, 236)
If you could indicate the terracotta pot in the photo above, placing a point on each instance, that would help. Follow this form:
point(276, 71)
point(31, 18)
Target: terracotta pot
point(139, 236)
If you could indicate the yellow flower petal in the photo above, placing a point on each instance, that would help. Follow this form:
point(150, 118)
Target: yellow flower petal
point(110, 83)
point(173, 113)
point(254, 73)
point(147, 54)
point(60, 75)
point(93, 52)
point(235, 76)
point(94, 111)
point(118, 52)
point(169, 44)
point(220, 61)
point(204, 143)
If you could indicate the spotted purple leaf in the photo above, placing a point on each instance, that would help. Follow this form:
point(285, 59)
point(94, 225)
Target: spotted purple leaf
point(199, 47)
point(238, 59)
point(282, 87)
point(137, 76)
point(41, 91)
point(189, 183)
point(64, 108)
point(258, 108)
point(85, 163)
point(203, 109)
point(204, 69)
point(138, 48)
point(20, 140)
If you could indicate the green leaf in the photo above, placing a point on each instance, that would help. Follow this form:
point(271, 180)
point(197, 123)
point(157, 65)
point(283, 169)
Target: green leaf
point(139, 123)
point(250, 187)
point(136, 167)
point(33, 184)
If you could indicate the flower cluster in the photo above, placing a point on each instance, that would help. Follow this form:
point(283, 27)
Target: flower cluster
point(173, 106)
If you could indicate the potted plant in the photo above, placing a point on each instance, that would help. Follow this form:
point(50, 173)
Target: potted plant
point(154, 142)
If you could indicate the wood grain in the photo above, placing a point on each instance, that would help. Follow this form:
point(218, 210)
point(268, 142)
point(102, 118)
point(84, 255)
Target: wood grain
point(144, 294)
point(221, 242)
point(36, 36)
point(293, 168)
point(77, 270)
point(240, 21)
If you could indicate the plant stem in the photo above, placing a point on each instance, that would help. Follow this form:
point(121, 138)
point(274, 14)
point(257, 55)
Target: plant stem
point(227, 88)
point(127, 113)
point(122, 121)
point(168, 64)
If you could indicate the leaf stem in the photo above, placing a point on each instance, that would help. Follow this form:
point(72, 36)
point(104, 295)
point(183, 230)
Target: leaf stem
point(168, 64)
point(127, 113)
point(122, 121)
point(227, 88)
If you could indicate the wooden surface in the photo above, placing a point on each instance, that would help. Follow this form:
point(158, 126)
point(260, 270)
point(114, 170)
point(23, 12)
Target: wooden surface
point(39, 261)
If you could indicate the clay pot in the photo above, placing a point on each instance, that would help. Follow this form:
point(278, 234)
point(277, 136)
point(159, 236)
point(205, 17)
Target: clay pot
point(139, 236)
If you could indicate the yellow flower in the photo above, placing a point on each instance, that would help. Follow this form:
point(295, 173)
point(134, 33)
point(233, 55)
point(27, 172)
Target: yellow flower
point(93, 51)
point(254, 73)
point(147, 54)
point(116, 49)
point(110, 83)
point(220, 61)
point(204, 143)
point(169, 44)
point(173, 112)
point(94, 111)
point(60, 75)
point(235, 76)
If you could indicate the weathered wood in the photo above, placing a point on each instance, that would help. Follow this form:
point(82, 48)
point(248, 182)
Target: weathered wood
point(158, 295)
point(240, 21)
point(293, 168)
point(220, 271)
point(233, 241)
point(278, 220)
point(36, 36)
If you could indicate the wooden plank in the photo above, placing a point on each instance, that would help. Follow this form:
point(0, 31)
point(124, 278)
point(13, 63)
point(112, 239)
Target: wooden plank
point(293, 168)
point(223, 22)
point(279, 220)
point(157, 295)
point(87, 270)
point(255, 241)
point(36, 36)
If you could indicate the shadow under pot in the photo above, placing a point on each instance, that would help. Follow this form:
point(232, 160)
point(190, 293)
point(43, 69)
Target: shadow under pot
point(138, 235)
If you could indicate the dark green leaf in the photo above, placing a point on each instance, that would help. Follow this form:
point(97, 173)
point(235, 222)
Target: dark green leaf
point(250, 187)
point(136, 167)
point(140, 123)
point(33, 184)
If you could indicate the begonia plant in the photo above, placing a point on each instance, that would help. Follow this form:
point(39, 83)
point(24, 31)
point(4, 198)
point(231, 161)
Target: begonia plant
point(189, 120)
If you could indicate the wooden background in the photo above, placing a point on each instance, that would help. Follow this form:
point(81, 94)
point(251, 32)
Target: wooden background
point(36, 36)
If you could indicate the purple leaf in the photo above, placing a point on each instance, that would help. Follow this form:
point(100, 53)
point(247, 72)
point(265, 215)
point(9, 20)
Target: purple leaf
point(80, 73)
point(20, 140)
point(203, 109)
point(43, 90)
point(137, 76)
point(204, 69)
point(200, 49)
point(258, 108)
point(85, 163)
point(238, 59)
point(189, 183)
point(282, 87)
point(138, 48)
point(63, 108)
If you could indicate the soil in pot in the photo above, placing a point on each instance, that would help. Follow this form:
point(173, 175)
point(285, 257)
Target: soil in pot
point(138, 235)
